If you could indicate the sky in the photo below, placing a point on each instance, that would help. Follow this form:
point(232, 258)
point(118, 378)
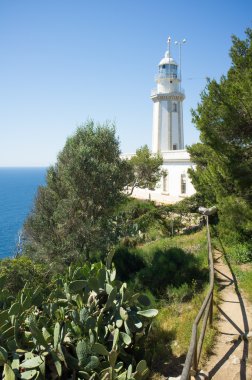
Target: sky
point(64, 62)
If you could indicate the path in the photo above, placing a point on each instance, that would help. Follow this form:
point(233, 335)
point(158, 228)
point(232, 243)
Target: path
point(232, 358)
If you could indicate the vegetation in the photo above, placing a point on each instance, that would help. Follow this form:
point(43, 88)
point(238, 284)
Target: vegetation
point(17, 272)
point(142, 221)
point(63, 313)
point(224, 155)
point(73, 214)
point(146, 169)
point(178, 305)
point(244, 276)
point(90, 327)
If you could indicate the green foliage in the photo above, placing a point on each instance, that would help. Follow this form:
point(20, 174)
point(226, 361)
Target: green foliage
point(235, 217)
point(72, 213)
point(182, 293)
point(172, 266)
point(127, 262)
point(244, 276)
point(165, 263)
point(16, 272)
point(224, 156)
point(140, 221)
point(240, 253)
point(90, 327)
point(146, 169)
point(187, 205)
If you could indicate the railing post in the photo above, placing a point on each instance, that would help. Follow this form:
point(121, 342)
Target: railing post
point(211, 312)
point(195, 355)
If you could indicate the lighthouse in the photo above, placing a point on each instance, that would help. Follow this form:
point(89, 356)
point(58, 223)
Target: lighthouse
point(167, 134)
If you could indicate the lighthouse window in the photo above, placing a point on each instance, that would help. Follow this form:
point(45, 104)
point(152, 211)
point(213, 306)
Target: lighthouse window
point(183, 183)
point(174, 107)
point(165, 182)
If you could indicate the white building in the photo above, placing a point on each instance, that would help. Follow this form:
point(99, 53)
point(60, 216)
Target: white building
point(168, 134)
point(168, 131)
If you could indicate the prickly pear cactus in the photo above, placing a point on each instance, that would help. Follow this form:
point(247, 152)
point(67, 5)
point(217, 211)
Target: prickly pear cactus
point(90, 327)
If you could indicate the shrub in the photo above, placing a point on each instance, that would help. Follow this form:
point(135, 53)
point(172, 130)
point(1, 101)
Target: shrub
point(240, 253)
point(235, 216)
point(182, 293)
point(90, 327)
point(20, 270)
point(171, 266)
point(127, 263)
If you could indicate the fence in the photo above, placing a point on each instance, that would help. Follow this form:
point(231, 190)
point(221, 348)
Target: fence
point(205, 313)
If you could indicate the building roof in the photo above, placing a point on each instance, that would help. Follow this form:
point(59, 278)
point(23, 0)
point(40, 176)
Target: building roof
point(167, 60)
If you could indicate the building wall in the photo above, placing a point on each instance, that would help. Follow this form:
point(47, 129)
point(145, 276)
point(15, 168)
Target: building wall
point(155, 130)
point(176, 164)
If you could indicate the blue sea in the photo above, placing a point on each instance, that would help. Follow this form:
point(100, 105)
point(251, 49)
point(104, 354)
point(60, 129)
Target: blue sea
point(18, 188)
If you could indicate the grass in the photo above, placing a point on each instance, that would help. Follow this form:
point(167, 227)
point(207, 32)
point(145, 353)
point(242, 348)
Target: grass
point(171, 335)
point(194, 243)
point(243, 272)
point(179, 304)
point(244, 276)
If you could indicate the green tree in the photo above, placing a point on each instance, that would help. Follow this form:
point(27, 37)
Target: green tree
point(224, 118)
point(72, 213)
point(146, 169)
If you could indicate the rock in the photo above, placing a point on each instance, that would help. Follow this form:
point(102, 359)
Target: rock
point(202, 375)
point(236, 360)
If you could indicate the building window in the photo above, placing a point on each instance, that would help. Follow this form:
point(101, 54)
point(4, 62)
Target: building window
point(174, 107)
point(183, 184)
point(165, 182)
point(174, 147)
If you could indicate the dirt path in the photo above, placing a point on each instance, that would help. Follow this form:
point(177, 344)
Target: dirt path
point(232, 358)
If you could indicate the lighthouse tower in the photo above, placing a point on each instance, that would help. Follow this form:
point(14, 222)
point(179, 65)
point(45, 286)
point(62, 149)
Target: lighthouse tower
point(167, 99)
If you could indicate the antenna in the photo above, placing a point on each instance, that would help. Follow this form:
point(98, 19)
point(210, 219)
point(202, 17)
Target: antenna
point(169, 48)
point(179, 43)
point(169, 45)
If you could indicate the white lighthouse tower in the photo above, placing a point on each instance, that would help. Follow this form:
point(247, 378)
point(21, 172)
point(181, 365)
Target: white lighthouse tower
point(168, 134)
point(168, 99)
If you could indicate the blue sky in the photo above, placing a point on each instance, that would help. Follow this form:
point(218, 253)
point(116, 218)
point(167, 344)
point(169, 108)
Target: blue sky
point(65, 61)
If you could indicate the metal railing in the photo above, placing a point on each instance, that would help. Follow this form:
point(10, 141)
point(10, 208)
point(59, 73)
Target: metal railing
point(168, 75)
point(205, 313)
point(178, 92)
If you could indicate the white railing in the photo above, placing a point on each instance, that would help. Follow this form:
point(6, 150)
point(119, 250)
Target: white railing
point(166, 75)
point(156, 92)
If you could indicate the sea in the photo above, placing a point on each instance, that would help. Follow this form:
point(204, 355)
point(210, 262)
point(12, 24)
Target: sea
point(18, 188)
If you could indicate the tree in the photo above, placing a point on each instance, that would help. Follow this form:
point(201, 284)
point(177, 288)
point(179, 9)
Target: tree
point(146, 169)
point(224, 118)
point(72, 212)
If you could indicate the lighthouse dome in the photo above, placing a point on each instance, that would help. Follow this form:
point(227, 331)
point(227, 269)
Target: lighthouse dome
point(167, 60)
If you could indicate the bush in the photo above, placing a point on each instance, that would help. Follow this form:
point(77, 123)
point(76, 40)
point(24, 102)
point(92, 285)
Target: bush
point(21, 270)
point(127, 263)
point(235, 215)
point(181, 294)
point(240, 253)
point(172, 266)
point(189, 204)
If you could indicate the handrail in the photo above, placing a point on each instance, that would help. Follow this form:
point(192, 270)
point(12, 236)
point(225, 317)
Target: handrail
point(194, 352)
